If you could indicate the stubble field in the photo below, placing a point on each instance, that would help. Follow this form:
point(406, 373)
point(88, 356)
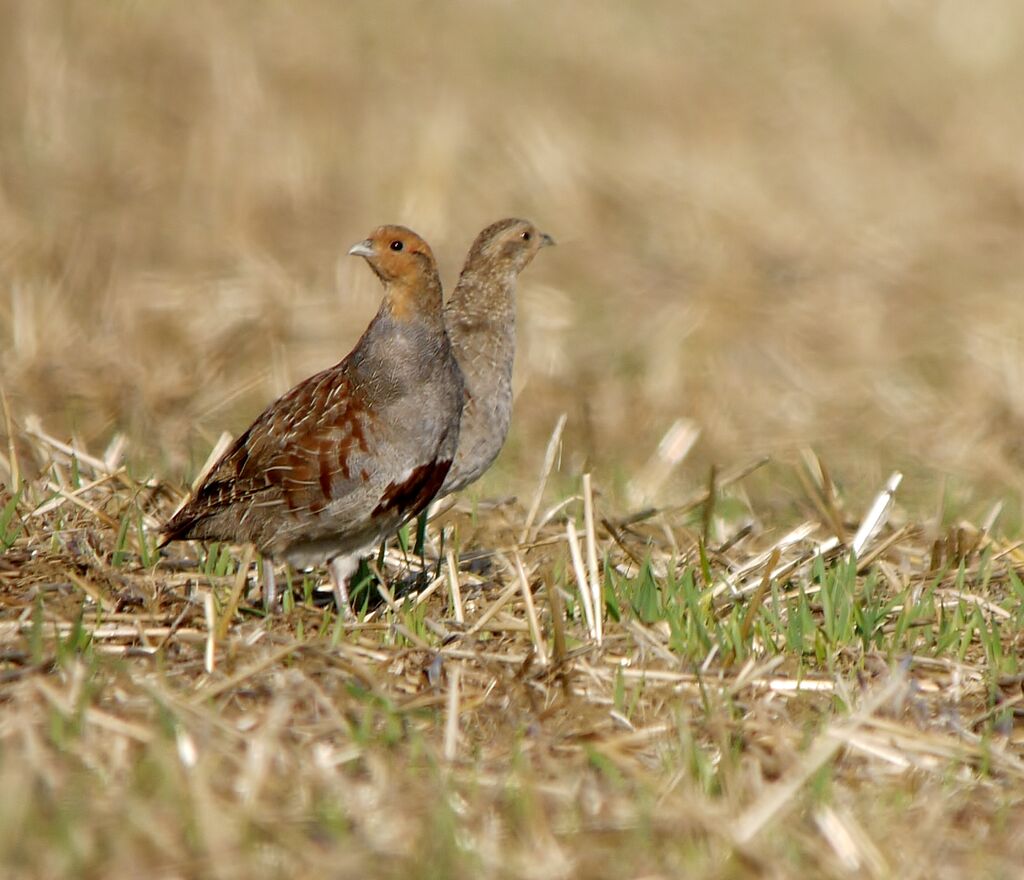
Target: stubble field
point(789, 270)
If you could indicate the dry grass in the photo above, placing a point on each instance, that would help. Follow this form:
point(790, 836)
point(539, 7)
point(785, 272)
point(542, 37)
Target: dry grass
point(751, 703)
point(784, 227)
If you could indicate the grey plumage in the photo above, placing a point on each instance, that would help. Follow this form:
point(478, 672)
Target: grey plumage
point(480, 317)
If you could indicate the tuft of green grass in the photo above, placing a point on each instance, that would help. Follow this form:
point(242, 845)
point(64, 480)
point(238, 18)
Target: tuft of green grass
point(10, 524)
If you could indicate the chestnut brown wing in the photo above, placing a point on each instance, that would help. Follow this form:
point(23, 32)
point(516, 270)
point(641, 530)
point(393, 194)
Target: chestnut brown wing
point(293, 460)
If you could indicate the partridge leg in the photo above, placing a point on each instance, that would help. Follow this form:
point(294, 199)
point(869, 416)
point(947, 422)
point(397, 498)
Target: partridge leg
point(269, 584)
point(421, 532)
point(342, 568)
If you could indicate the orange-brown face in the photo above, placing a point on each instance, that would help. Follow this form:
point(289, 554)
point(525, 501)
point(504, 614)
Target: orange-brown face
point(396, 254)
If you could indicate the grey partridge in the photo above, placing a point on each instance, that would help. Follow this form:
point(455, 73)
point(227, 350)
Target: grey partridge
point(480, 317)
point(351, 453)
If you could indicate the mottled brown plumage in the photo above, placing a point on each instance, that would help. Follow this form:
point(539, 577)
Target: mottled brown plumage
point(349, 454)
point(480, 317)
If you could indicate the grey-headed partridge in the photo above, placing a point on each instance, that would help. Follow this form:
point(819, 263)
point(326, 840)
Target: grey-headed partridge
point(480, 317)
point(351, 453)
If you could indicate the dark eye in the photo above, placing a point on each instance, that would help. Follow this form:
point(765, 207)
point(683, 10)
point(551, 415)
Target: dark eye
point(396, 245)
point(525, 236)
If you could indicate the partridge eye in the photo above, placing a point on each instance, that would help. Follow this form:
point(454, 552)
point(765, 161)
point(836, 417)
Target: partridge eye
point(525, 236)
point(396, 245)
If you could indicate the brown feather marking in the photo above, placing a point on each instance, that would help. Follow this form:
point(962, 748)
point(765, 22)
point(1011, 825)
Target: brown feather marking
point(326, 475)
point(356, 437)
point(294, 478)
point(343, 465)
point(323, 433)
point(415, 492)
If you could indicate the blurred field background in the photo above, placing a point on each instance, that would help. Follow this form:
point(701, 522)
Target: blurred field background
point(793, 224)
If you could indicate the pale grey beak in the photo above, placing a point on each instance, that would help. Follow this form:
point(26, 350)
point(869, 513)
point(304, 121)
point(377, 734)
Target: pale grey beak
point(363, 249)
point(546, 240)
